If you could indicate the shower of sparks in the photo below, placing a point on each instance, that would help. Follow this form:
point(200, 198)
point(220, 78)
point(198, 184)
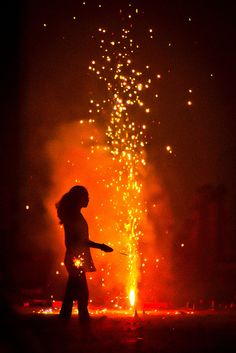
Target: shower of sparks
point(126, 139)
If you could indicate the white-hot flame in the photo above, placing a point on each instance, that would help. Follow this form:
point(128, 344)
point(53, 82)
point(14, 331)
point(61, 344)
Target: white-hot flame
point(132, 297)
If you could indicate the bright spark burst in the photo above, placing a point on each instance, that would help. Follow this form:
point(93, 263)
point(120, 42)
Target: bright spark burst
point(78, 261)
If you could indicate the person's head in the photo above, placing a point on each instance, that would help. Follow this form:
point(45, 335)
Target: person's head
point(79, 196)
point(71, 202)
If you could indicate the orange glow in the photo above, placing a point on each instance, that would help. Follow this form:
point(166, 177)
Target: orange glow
point(107, 154)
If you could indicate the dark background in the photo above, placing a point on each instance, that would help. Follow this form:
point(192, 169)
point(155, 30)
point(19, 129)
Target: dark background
point(39, 67)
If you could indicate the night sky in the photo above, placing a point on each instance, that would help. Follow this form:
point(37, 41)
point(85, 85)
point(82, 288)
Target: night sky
point(49, 46)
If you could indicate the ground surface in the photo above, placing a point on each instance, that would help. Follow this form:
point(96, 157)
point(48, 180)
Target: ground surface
point(198, 333)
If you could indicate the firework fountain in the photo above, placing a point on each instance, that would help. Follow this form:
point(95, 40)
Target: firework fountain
point(106, 153)
point(126, 138)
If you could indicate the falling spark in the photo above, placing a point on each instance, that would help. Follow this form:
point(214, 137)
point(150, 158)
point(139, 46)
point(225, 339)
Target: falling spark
point(169, 149)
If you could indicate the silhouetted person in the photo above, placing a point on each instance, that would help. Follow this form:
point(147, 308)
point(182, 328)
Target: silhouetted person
point(78, 259)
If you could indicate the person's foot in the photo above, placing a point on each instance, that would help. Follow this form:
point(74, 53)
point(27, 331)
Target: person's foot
point(84, 317)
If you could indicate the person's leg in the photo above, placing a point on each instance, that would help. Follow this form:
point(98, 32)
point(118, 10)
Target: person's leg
point(83, 295)
point(69, 296)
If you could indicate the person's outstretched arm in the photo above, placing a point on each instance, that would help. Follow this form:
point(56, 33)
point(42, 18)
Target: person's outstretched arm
point(103, 247)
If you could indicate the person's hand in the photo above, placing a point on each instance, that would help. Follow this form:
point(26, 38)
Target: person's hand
point(106, 248)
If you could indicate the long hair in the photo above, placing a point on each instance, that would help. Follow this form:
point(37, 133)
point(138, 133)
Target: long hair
point(67, 206)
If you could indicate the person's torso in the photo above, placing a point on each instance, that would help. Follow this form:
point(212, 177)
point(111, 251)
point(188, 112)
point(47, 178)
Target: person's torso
point(76, 242)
